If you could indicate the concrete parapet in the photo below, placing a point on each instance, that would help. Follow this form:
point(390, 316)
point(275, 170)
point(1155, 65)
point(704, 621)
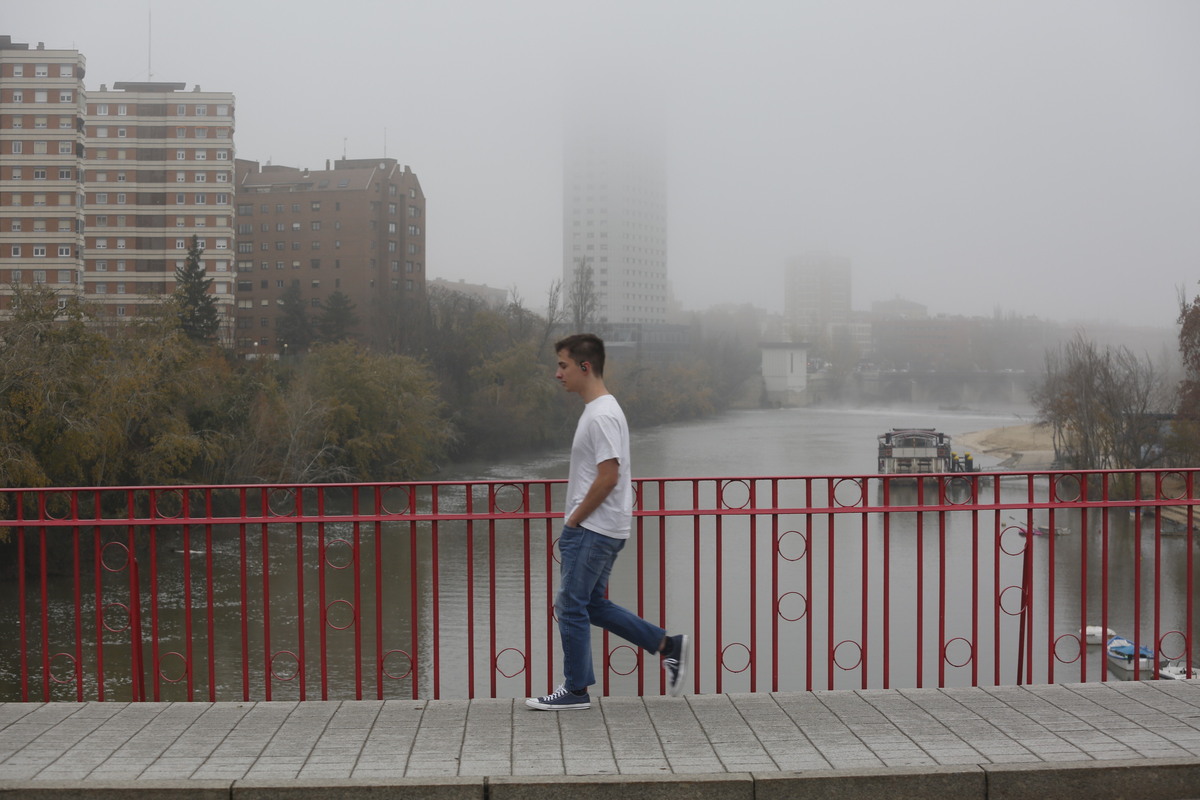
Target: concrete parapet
point(331, 789)
point(719, 786)
point(117, 790)
point(884, 783)
point(1145, 779)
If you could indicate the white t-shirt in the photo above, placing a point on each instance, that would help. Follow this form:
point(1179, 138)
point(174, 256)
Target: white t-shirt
point(602, 433)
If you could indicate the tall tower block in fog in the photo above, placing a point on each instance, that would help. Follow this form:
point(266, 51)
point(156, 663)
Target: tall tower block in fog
point(816, 296)
point(41, 169)
point(159, 170)
point(615, 220)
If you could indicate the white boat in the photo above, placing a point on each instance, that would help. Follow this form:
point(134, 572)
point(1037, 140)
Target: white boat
point(1177, 670)
point(1124, 654)
point(1094, 634)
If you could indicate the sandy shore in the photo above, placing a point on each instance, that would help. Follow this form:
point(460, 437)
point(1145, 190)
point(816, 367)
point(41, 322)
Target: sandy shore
point(1028, 446)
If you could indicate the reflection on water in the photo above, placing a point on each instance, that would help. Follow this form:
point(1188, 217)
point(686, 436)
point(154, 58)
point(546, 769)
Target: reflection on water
point(852, 600)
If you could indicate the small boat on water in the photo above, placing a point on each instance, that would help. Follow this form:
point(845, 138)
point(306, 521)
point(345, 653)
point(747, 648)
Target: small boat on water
point(1176, 670)
point(1095, 634)
point(1127, 660)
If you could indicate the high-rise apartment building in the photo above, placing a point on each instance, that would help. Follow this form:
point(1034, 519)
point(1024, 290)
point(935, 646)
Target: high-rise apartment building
point(41, 169)
point(615, 224)
point(357, 227)
point(816, 297)
point(160, 169)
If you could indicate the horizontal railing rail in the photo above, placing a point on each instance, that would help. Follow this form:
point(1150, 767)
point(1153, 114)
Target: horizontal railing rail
point(446, 589)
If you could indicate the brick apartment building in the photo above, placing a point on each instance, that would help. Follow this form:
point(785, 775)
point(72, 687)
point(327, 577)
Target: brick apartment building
point(159, 170)
point(356, 227)
point(41, 169)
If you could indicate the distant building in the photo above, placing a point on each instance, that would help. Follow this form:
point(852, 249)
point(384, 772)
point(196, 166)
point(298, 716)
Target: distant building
point(42, 147)
point(615, 223)
point(493, 297)
point(898, 308)
point(817, 297)
point(785, 373)
point(159, 170)
point(356, 227)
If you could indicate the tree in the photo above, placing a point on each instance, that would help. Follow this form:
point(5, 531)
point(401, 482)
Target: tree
point(337, 318)
point(197, 308)
point(581, 298)
point(294, 328)
point(1103, 406)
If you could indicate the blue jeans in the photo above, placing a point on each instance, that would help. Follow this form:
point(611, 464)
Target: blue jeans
point(587, 560)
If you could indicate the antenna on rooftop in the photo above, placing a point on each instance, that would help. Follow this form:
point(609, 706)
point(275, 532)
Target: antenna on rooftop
point(149, 40)
point(343, 148)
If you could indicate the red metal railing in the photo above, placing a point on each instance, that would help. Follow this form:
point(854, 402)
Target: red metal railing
point(446, 589)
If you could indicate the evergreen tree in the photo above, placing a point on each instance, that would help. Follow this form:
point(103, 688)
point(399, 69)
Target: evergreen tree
point(197, 308)
point(294, 327)
point(338, 318)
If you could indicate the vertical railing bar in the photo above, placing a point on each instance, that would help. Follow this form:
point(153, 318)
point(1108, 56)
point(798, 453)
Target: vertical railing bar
point(492, 588)
point(43, 591)
point(639, 487)
point(469, 494)
point(266, 591)
point(753, 604)
point(719, 588)
point(210, 597)
point(662, 569)
point(696, 611)
point(1158, 570)
point(1051, 581)
point(380, 592)
point(810, 595)
point(435, 589)
point(942, 643)
point(414, 598)
point(98, 571)
point(866, 588)
point(831, 587)
point(920, 598)
point(322, 596)
point(244, 593)
point(1104, 570)
point(527, 489)
point(885, 598)
point(356, 557)
point(1083, 579)
point(301, 631)
point(77, 599)
point(189, 632)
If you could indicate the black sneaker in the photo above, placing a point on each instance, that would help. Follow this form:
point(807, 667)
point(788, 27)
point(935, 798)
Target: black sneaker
point(676, 665)
point(561, 699)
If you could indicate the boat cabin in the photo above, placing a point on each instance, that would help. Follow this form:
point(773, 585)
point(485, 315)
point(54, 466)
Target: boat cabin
point(915, 450)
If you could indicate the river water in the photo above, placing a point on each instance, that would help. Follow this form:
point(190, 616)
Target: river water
point(483, 599)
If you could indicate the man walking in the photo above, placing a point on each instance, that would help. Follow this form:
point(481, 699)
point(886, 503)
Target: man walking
point(599, 513)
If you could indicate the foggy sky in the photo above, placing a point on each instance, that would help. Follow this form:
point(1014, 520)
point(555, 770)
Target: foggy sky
point(1034, 157)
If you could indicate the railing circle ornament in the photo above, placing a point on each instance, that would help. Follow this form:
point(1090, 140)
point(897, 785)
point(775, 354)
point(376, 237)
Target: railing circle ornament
point(339, 605)
point(285, 677)
point(182, 667)
point(970, 655)
point(281, 502)
point(514, 672)
point(1006, 592)
point(849, 493)
point(787, 535)
point(395, 500)
point(734, 494)
point(59, 658)
point(1183, 645)
point(1068, 637)
point(114, 545)
point(1067, 488)
point(795, 597)
point(1172, 486)
point(726, 652)
point(57, 508)
point(108, 626)
point(957, 489)
point(508, 498)
point(1010, 534)
point(612, 661)
point(168, 504)
point(857, 649)
point(383, 665)
point(336, 546)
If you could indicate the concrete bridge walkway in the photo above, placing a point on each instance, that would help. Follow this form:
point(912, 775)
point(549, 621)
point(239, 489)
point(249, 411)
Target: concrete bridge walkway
point(1094, 740)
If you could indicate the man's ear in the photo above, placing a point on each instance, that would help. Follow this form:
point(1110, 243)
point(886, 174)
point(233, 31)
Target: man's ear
point(584, 366)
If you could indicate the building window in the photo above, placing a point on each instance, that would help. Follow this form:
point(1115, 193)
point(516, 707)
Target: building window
point(201, 111)
point(102, 110)
point(65, 148)
point(66, 97)
point(39, 251)
point(16, 251)
point(181, 155)
point(64, 251)
point(120, 198)
point(102, 244)
point(102, 266)
point(18, 147)
point(180, 199)
point(39, 174)
point(101, 288)
point(120, 244)
point(181, 244)
point(65, 276)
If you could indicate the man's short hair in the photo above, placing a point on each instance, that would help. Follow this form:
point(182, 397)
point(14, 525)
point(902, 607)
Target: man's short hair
point(583, 347)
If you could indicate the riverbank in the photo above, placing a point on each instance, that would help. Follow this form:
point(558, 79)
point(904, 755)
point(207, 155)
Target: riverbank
point(1027, 446)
